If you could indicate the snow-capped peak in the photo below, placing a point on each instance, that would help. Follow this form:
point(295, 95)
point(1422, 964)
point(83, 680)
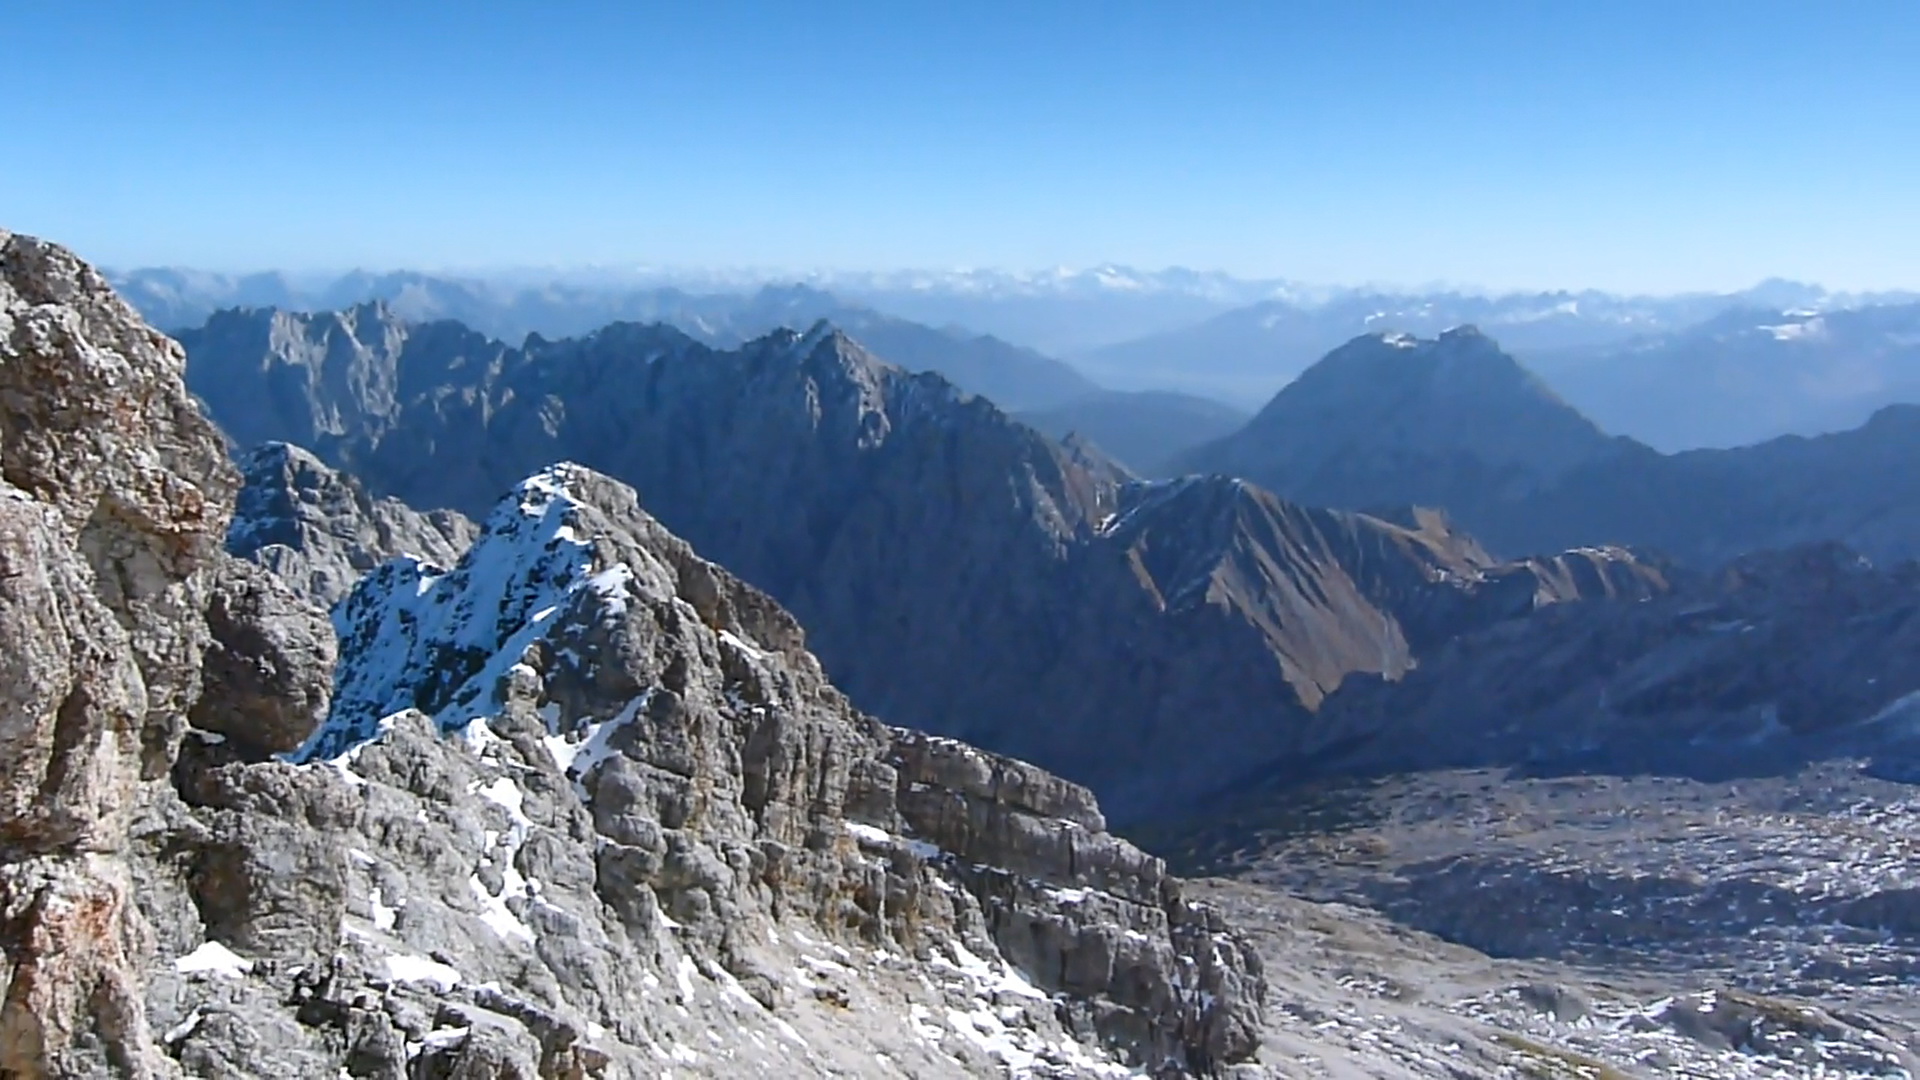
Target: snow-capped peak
point(415, 635)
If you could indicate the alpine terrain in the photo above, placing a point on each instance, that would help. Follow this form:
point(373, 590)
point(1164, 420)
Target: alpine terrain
point(313, 781)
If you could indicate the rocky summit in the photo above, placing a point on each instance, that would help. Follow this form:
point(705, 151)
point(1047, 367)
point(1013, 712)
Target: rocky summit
point(580, 804)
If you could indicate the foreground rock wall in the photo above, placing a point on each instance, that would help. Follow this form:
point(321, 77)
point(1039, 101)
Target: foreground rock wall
point(114, 495)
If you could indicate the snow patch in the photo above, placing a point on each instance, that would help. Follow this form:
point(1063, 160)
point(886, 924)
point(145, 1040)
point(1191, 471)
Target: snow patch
point(213, 958)
point(405, 968)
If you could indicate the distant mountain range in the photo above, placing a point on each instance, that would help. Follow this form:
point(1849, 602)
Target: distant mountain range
point(1676, 372)
point(955, 568)
point(1058, 311)
point(1246, 354)
point(1747, 375)
point(1455, 422)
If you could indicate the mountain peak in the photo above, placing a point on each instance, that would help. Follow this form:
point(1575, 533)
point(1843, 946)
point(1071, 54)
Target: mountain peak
point(1396, 419)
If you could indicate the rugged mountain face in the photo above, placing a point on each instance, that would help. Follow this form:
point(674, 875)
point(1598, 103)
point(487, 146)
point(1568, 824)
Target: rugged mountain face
point(583, 776)
point(311, 379)
point(957, 570)
point(319, 530)
point(327, 358)
point(1145, 429)
point(637, 831)
point(1524, 472)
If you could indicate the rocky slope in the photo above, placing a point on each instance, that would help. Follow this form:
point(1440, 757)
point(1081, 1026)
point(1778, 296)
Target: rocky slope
point(118, 608)
point(1685, 824)
point(1458, 424)
point(956, 570)
point(319, 530)
point(584, 803)
point(581, 804)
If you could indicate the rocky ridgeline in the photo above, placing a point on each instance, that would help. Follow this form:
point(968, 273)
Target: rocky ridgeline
point(588, 807)
point(319, 530)
point(957, 571)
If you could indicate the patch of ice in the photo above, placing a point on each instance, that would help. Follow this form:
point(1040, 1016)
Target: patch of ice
point(683, 976)
point(184, 1028)
point(384, 917)
point(577, 754)
point(506, 794)
point(742, 644)
point(440, 1038)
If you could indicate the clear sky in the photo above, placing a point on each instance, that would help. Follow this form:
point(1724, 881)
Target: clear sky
point(1627, 145)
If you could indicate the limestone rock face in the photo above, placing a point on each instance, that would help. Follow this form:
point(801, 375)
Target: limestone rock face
point(268, 668)
point(114, 494)
point(605, 682)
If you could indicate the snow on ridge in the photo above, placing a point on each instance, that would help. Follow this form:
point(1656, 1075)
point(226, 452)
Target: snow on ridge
point(414, 635)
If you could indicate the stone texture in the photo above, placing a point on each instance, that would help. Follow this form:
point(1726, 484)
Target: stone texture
point(320, 531)
point(733, 791)
point(115, 496)
point(268, 666)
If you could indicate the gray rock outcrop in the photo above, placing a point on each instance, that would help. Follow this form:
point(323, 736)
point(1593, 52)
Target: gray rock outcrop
point(114, 494)
point(319, 530)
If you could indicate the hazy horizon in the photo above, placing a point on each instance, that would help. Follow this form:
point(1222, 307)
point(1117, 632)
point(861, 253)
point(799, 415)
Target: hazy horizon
point(730, 279)
point(1631, 147)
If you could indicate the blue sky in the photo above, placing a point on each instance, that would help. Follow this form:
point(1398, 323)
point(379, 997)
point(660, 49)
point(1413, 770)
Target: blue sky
point(1655, 146)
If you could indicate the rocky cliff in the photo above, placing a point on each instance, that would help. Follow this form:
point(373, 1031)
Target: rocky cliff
point(114, 498)
point(581, 804)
